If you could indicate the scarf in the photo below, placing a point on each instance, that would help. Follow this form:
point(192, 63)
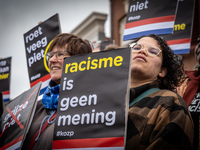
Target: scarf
point(51, 97)
point(193, 86)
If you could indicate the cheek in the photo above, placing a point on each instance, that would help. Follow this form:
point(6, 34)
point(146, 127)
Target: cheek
point(61, 63)
point(132, 55)
point(158, 64)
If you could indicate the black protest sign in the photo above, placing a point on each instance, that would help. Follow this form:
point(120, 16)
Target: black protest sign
point(149, 17)
point(5, 71)
point(94, 94)
point(180, 40)
point(1, 103)
point(105, 43)
point(16, 118)
point(37, 42)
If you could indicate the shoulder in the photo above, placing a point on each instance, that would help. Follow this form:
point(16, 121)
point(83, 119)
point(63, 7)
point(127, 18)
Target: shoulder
point(169, 98)
point(40, 108)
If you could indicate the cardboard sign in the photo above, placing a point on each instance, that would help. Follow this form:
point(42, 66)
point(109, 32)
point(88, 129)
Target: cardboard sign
point(5, 70)
point(149, 17)
point(180, 40)
point(93, 102)
point(37, 42)
point(16, 118)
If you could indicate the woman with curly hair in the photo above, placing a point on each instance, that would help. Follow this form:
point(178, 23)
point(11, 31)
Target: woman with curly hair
point(158, 117)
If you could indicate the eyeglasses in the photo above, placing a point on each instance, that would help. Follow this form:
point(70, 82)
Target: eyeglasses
point(60, 54)
point(151, 51)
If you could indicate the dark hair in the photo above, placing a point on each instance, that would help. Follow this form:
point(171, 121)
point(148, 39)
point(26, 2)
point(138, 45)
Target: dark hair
point(78, 46)
point(73, 43)
point(170, 61)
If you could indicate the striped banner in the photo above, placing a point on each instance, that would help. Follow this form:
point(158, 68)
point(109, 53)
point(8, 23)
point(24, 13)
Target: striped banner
point(116, 143)
point(180, 46)
point(158, 25)
point(180, 40)
point(14, 145)
point(6, 96)
point(45, 82)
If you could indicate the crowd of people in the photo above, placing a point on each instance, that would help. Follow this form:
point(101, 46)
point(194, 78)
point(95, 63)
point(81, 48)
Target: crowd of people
point(163, 109)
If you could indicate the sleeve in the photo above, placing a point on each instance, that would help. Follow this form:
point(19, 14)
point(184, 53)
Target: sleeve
point(182, 88)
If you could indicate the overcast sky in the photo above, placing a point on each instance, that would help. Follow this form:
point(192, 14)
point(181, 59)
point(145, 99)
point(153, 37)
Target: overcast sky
point(19, 16)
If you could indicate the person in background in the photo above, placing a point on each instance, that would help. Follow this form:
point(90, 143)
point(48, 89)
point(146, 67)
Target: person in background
point(190, 91)
point(158, 118)
point(109, 47)
point(40, 135)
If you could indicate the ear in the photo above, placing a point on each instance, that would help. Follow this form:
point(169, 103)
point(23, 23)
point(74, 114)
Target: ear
point(162, 72)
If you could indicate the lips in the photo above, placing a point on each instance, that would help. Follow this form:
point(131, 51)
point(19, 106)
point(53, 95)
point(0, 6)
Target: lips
point(55, 68)
point(140, 57)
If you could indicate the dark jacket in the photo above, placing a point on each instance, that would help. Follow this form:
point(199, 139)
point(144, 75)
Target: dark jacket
point(159, 121)
point(46, 138)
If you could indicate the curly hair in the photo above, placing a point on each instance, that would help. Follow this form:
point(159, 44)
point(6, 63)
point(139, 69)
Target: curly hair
point(175, 70)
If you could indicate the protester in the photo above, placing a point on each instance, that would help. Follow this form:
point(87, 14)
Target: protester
point(40, 135)
point(158, 118)
point(111, 46)
point(190, 91)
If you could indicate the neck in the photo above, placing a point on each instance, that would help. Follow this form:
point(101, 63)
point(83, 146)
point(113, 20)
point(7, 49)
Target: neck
point(137, 83)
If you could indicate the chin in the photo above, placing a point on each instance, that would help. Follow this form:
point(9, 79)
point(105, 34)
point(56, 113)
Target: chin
point(54, 78)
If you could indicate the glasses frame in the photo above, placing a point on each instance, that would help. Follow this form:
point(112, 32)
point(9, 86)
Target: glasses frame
point(56, 53)
point(146, 49)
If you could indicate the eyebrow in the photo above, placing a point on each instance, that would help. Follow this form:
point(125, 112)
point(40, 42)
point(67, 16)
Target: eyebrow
point(68, 52)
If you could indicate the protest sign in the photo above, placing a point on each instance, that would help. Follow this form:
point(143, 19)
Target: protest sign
point(105, 43)
point(149, 17)
point(93, 102)
point(1, 104)
point(17, 117)
point(180, 40)
point(5, 71)
point(37, 42)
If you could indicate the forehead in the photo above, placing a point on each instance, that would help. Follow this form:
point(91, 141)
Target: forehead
point(148, 41)
point(56, 48)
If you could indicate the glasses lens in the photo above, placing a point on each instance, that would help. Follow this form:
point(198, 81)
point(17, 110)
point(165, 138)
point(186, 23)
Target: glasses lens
point(153, 51)
point(59, 55)
point(48, 56)
point(137, 47)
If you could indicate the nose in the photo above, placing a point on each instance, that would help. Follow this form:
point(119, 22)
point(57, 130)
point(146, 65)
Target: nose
point(54, 58)
point(143, 50)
